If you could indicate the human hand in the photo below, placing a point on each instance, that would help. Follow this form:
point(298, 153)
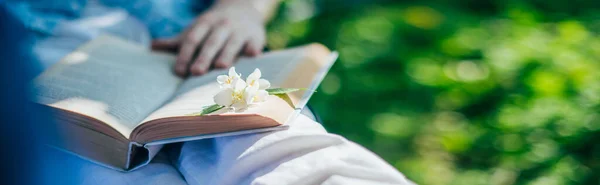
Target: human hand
point(218, 36)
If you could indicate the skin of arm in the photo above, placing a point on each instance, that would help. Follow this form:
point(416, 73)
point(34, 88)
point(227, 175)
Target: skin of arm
point(220, 34)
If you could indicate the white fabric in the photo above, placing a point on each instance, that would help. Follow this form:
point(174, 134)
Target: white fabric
point(304, 154)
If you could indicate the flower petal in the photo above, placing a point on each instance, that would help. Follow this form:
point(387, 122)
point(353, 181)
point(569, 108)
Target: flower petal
point(263, 84)
point(252, 79)
point(239, 85)
point(255, 74)
point(238, 106)
point(222, 79)
point(248, 95)
point(252, 89)
point(261, 96)
point(232, 72)
point(224, 98)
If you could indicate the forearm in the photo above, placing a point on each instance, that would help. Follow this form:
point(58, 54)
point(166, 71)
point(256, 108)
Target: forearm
point(266, 8)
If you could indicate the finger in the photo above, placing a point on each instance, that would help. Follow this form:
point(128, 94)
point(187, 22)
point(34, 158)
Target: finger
point(190, 43)
point(213, 44)
point(170, 44)
point(254, 46)
point(232, 48)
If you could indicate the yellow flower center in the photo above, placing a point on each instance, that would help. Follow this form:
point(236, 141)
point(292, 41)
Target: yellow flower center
point(237, 97)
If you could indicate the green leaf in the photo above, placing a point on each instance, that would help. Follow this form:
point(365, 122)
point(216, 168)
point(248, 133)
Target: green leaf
point(208, 110)
point(276, 91)
point(287, 99)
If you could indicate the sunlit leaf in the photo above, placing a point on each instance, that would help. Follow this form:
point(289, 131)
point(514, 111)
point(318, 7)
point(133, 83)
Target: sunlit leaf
point(275, 91)
point(286, 98)
point(208, 110)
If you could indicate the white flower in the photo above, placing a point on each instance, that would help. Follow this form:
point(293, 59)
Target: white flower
point(233, 96)
point(255, 80)
point(227, 81)
point(260, 96)
point(238, 94)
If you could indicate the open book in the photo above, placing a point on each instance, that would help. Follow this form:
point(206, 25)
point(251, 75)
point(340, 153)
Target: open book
point(117, 103)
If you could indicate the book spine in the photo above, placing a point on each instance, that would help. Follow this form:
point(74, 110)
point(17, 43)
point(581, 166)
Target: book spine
point(140, 155)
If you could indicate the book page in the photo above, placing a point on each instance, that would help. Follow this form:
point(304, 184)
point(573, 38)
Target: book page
point(111, 80)
point(197, 92)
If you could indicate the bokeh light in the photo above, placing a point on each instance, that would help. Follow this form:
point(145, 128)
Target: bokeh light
point(461, 92)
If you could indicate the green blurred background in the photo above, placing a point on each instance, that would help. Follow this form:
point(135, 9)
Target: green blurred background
point(460, 92)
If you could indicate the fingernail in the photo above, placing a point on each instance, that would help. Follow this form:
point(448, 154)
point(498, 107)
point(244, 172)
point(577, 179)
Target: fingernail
point(222, 64)
point(198, 71)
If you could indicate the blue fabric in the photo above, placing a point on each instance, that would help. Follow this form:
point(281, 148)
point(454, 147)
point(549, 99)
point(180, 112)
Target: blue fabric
point(61, 26)
point(63, 168)
point(19, 129)
point(162, 17)
point(58, 28)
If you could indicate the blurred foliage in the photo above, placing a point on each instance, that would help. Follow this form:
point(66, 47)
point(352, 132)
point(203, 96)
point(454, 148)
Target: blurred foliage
point(461, 92)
